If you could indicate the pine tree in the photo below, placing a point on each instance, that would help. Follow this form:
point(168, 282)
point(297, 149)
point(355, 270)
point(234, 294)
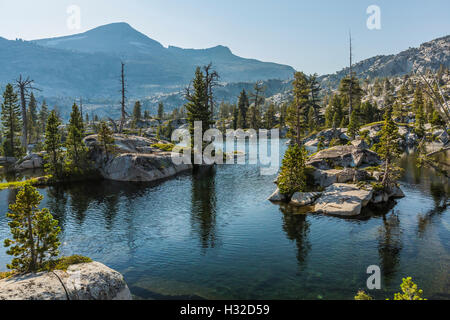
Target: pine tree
point(33, 130)
point(243, 106)
point(160, 111)
point(34, 231)
point(253, 117)
point(420, 121)
point(197, 106)
point(53, 147)
point(311, 119)
point(389, 149)
point(106, 138)
point(42, 118)
point(353, 126)
point(76, 149)
point(11, 122)
point(296, 118)
point(292, 175)
point(137, 112)
point(235, 117)
point(269, 117)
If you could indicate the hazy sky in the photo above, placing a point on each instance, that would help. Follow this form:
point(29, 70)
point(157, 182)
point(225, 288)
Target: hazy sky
point(311, 36)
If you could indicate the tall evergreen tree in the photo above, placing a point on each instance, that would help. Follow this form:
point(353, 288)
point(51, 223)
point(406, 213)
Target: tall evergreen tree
point(243, 105)
point(197, 106)
point(33, 130)
point(34, 231)
point(106, 138)
point(353, 127)
point(53, 147)
point(137, 112)
point(292, 173)
point(296, 117)
point(76, 149)
point(389, 149)
point(160, 111)
point(11, 121)
point(269, 117)
point(42, 118)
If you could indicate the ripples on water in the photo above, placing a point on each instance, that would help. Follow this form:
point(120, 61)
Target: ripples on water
point(214, 235)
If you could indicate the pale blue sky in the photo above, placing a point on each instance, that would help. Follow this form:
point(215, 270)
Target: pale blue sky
point(311, 36)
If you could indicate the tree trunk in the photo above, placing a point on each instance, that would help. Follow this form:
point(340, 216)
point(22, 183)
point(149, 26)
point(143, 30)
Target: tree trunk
point(32, 266)
point(386, 173)
point(24, 119)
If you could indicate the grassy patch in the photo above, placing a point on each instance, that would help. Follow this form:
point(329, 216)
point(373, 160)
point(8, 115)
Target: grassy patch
point(4, 275)
point(65, 262)
point(163, 146)
point(19, 184)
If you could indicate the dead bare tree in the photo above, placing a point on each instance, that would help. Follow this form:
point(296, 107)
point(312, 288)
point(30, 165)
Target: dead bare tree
point(350, 92)
point(122, 103)
point(211, 81)
point(440, 102)
point(24, 86)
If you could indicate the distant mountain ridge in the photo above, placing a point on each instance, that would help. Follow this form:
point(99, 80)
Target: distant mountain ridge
point(430, 55)
point(150, 67)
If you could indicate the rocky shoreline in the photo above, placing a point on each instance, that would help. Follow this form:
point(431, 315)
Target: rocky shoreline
point(345, 178)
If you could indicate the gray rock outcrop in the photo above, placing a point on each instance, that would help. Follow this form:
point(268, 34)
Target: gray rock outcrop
point(87, 281)
point(134, 159)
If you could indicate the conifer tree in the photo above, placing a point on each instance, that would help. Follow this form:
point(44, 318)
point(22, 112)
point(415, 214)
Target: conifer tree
point(33, 130)
point(137, 112)
point(243, 105)
point(11, 121)
point(297, 112)
point(420, 121)
point(292, 175)
point(53, 146)
point(197, 106)
point(35, 232)
point(106, 138)
point(253, 117)
point(353, 126)
point(269, 117)
point(76, 149)
point(160, 111)
point(42, 118)
point(389, 149)
point(311, 119)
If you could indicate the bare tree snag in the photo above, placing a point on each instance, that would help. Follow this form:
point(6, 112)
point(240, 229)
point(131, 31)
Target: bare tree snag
point(24, 86)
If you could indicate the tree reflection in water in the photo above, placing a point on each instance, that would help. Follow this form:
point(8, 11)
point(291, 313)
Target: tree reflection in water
point(296, 226)
point(203, 218)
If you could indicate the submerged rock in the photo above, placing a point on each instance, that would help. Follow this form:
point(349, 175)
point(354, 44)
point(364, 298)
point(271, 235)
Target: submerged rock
point(87, 281)
point(343, 200)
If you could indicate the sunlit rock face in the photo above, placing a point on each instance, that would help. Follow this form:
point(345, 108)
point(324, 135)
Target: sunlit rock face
point(86, 281)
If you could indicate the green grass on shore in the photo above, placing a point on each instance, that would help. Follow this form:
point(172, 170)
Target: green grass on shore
point(18, 184)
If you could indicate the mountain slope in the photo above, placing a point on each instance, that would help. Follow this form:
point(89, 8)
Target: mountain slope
point(429, 55)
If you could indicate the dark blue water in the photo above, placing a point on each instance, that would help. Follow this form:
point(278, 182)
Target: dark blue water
point(215, 236)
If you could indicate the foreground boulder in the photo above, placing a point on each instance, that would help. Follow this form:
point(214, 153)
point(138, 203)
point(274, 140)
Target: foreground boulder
point(86, 281)
point(343, 200)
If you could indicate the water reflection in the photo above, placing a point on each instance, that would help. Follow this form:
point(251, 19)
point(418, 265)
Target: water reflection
point(203, 216)
point(390, 245)
point(297, 227)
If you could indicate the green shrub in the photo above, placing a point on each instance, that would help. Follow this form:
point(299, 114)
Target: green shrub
point(164, 146)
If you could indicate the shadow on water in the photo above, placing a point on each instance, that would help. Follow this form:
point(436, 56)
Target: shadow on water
point(203, 216)
point(297, 227)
